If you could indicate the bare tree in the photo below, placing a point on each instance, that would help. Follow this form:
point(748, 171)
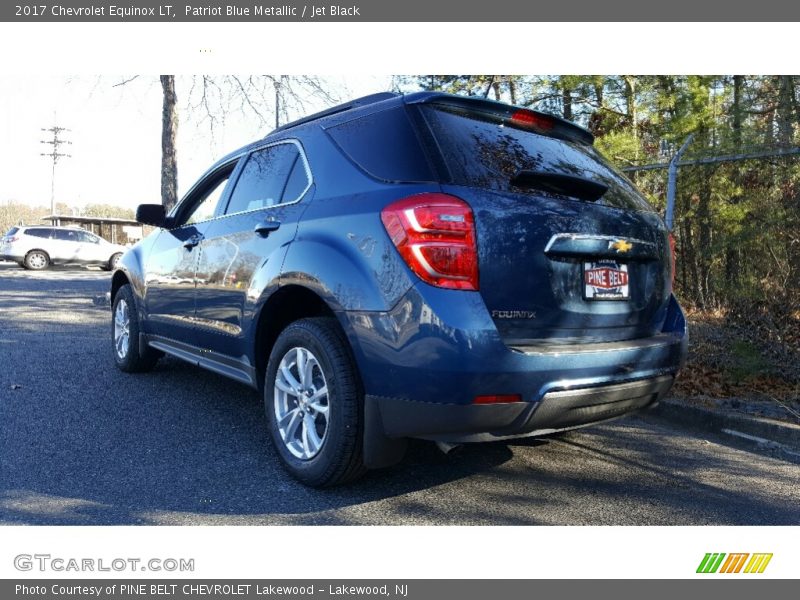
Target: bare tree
point(210, 99)
point(271, 99)
point(169, 152)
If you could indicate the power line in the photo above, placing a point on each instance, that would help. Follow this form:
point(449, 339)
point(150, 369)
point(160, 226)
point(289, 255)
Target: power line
point(54, 154)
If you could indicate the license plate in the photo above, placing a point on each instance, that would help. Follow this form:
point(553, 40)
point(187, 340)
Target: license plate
point(606, 280)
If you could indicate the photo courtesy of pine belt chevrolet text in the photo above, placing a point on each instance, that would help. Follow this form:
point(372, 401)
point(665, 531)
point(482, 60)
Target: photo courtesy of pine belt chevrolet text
point(410, 266)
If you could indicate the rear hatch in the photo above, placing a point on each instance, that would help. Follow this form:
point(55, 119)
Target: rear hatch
point(5, 241)
point(568, 250)
point(9, 234)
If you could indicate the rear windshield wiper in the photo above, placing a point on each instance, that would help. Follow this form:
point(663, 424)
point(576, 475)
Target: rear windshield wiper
point(560, 183)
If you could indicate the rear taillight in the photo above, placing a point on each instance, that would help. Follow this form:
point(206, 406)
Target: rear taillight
point(435, 235)
point(11, 239)
point(673, 262)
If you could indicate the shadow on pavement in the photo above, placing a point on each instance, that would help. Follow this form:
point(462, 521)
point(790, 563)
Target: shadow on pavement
point(82, 443)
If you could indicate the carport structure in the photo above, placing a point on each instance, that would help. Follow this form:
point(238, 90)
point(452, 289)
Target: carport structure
point(108, 228)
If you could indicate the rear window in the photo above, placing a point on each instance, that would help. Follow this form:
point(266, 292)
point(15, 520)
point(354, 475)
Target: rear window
point(384, 145)
point(489, 155)
point(42, 233)
point(12, 231)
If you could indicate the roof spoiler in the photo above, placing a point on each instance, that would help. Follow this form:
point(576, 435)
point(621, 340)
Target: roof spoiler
point(506, 114)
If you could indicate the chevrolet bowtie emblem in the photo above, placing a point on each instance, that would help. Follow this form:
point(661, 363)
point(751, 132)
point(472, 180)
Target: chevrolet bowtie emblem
point(620, 245)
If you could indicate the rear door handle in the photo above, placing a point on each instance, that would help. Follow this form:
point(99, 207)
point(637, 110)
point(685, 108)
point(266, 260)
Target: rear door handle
point(264, 228)
point(192, 241)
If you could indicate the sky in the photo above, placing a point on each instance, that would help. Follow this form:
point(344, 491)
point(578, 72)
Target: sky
point(115, 132)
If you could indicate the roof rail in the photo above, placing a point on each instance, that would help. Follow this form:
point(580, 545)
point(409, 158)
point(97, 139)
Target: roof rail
point(363, 101)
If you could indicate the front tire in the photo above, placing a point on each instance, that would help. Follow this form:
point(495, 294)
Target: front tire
point(125, 328)
point(314, 404)
point(36, 260)
point(112, 262)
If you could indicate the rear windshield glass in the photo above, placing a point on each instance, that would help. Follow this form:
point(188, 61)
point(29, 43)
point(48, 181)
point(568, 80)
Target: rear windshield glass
point(12, 231)
point(384, 145)
point(488, 155)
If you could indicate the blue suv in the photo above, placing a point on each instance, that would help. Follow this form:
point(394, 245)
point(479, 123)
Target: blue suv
point(420, 266)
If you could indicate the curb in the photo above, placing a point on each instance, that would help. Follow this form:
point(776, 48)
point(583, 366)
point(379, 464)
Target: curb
point(747, 428)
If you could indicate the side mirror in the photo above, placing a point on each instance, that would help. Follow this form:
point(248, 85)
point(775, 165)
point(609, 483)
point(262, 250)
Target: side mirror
point(151, 214)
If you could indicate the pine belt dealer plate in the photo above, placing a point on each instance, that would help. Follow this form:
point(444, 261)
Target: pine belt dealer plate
point(606, 280)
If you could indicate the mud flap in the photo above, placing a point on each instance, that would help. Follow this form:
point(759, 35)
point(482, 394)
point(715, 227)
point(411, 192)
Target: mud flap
point(379, 450)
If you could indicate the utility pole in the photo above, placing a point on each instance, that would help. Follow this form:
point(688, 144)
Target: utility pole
point(54, 154)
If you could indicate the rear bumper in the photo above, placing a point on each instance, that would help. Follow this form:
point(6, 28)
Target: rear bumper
point(556, 411)
point(8, 253)
point(424, 362)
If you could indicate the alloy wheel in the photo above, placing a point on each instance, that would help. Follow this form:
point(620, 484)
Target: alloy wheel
point(122, 328)
point(301, 403)
point(37, 260)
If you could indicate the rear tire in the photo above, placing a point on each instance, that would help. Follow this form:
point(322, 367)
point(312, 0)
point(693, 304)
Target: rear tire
point(314, 404)
point(36, 260)
point(125, 328)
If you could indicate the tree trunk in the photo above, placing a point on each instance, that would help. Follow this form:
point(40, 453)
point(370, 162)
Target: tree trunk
point(683, 260)
point(787, 113)
point(598, 93)
point(630, 107)
point(689, 255)
point(732, 249)
point(512, 89)
point(785, 110)
point(793, 98)
point(169, 155)
point(566, 98)
point(496, 88)
point(736, 109)
point(703, 247)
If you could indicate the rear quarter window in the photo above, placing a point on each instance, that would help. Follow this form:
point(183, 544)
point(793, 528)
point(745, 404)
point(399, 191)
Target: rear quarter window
point(384, 145)
point(489, 155)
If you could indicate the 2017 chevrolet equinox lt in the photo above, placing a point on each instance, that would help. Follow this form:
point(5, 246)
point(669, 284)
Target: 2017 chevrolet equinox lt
point(420, 266)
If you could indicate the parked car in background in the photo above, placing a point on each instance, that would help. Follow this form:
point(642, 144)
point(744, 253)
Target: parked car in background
point(423, 266)
point(38, 247)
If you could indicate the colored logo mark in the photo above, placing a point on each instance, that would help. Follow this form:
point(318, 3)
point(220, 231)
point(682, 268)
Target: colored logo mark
point(719, 562)
point(621, 245)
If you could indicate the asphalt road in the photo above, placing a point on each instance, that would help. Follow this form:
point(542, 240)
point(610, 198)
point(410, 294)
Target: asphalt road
point(82, 443)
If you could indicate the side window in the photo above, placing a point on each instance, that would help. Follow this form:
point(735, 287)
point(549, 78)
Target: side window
point(204, 210)
point(65, 235)
point(41, 233)
point(87, 238)
point(272, 175)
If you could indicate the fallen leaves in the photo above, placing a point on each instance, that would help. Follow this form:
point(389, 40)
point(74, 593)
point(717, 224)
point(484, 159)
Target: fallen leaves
point(746, 355)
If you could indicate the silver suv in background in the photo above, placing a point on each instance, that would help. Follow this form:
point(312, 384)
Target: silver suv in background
point(38, 247)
